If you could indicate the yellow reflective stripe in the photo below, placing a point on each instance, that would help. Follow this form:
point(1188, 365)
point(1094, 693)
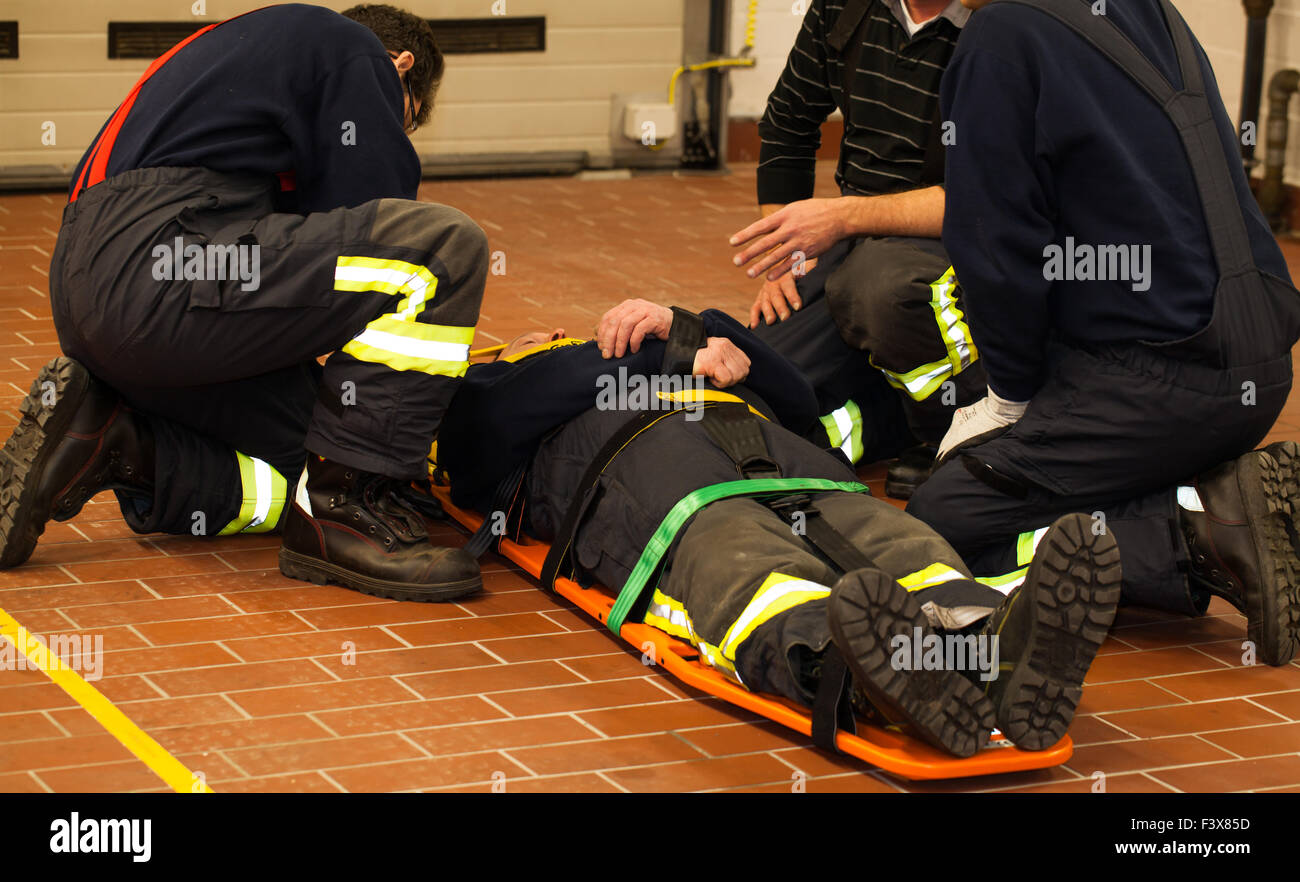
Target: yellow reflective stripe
point(534, 350)
point(399, 361)
point(690, 396)
point(1027, 544)
point(844, 428)
point(360, 274)
point(456, 335)
point(833, 429)
point(669, 616)
point(955, 331)
point(441, 350)
point(272, 495)
point(264, 493)
point(1006, 582)
point(920, 383)
point(777, 594)
point(934, 574)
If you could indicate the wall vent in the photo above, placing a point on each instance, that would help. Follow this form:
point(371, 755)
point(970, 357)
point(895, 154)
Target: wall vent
point(8, 39)
point(147, 39)
point(456, 36)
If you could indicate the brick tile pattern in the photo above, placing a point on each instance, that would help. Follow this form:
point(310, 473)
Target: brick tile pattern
point(265, 684)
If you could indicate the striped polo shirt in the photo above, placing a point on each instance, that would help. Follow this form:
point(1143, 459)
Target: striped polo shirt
point(891, 111)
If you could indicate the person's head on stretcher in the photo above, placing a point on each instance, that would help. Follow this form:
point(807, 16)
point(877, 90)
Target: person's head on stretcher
point(626, 326)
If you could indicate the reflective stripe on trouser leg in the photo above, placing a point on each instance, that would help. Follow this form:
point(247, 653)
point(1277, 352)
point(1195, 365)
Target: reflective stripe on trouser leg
point(398, 339)
point(1026, 545)
point(920, 383)
point(844, 428)
point(778, 593)
point(265, 491)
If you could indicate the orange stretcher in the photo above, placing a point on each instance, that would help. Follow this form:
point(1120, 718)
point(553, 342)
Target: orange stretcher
point(891, 751)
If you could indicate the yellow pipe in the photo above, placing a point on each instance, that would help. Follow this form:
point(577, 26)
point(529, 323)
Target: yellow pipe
point(487, 350)
point(751, 17)
point(705, 65)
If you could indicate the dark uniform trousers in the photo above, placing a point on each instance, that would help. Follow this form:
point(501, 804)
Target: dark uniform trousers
point(1113, 432)
point(225, 369)
point(881, 332)
point(738, 582)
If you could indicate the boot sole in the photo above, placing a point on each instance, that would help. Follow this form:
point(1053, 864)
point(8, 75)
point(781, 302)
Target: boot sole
point(942, 707)
point(39, 431)
point(1074, 583)
point(1272, 495)
point(321, 572)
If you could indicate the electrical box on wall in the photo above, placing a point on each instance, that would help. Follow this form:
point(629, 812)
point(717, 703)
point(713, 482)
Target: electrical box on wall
point(643, 132)
point(649, 123)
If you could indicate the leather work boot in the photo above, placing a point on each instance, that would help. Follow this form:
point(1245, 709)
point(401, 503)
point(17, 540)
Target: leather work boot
point(867, 611)
point(355, 529)
point(909, 471)
point(75, 438)
point(1049, 630)
point(1243, 547)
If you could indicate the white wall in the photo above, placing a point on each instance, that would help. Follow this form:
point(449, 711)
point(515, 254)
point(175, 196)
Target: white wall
point(519, 102)
point(1219, 24)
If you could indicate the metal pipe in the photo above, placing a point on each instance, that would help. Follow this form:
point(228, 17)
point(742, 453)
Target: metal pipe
point(1272, 191)
point(1253, 78)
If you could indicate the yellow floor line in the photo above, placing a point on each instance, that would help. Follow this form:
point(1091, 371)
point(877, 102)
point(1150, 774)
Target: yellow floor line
point(118, 724)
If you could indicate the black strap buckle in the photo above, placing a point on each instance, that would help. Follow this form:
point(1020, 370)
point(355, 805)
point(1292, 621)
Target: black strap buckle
point(786, 506)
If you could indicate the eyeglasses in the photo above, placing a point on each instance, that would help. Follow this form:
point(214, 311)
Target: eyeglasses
point(408, 127)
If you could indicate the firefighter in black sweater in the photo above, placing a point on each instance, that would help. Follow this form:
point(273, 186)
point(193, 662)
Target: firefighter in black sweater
point(740, 580)
point(1133, 309)
point(248, 209)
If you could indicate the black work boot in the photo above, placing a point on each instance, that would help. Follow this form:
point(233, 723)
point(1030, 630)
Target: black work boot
point(1243, 546)
point(75, 438)
point(867, 611)
point(356, 530)
point(1049, 630)
point(909, 471)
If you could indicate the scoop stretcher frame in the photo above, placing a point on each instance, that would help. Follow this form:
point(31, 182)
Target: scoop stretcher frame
point(892, 751)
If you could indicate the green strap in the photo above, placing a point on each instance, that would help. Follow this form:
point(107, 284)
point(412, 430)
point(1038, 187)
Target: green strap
point(663, 537)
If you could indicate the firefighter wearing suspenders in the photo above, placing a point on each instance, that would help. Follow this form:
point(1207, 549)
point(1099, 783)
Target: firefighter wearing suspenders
point(249, 208)
point(1133, 310)
point(722, 527)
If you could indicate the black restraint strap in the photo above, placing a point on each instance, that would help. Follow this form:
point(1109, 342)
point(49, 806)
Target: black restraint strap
point(738, 434)
point(684, 340)
point(558, 556)
point(502, 501)
point(832, 709)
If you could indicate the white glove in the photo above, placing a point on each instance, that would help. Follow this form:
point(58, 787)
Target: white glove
point(980, 422)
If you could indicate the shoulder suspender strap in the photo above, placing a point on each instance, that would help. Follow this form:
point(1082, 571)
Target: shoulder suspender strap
point(559, 552)
point(737, 433)
point(1189, 111)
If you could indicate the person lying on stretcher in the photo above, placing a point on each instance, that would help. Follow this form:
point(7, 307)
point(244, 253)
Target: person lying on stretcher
point(827, 597)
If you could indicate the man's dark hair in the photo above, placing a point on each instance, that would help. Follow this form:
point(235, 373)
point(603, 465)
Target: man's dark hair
point(402, 31)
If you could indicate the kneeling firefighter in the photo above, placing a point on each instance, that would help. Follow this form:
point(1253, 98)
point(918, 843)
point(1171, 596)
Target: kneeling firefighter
point(249, 208)
point(1134, 311)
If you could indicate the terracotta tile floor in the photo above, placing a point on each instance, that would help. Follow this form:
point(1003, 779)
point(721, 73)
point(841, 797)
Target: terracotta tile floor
point(241, 674)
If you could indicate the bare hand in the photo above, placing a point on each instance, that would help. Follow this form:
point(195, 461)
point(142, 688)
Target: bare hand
point(721, 361)
point(625, 326)
point(776, 299)
point(798, 232)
